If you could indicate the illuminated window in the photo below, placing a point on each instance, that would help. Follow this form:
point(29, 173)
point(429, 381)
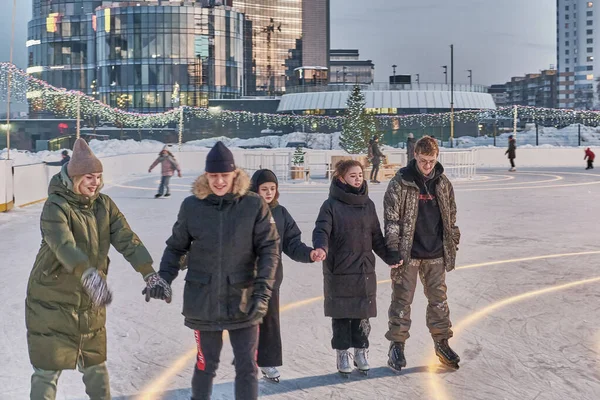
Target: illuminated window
point(590, 58)
point(590, 4)
point(590, 77)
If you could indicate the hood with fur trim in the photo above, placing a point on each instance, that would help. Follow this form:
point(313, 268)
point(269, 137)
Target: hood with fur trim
point(241, 185)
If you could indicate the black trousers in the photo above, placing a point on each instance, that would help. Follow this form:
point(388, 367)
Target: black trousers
point(374, 172)
point(269, 337)
point(209, 346)
point(512, 162)
point(590, 164)
point(350, 332)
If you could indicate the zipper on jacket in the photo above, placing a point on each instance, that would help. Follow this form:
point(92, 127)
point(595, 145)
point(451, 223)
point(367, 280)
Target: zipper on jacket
point(219, 280)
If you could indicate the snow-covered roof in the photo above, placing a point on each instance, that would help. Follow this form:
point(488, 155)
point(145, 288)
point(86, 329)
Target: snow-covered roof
point(417, 99)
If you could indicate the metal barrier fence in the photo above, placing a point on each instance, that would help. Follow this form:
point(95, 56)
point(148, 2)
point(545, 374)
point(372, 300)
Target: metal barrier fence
point(459, 164)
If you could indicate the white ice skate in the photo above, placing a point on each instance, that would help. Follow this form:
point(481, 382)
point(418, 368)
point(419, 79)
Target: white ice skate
point(513, 169)
point(343, 362)
point(270, 373)
point(360, 360)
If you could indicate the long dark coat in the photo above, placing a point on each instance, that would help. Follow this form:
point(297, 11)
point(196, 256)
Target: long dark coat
point(348, 229)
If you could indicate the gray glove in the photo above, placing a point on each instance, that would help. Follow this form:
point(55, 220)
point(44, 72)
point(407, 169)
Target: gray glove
point(95, 286)
point(157, 288)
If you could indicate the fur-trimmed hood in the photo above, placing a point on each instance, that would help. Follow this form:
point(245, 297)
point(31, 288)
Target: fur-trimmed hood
point(241, 185)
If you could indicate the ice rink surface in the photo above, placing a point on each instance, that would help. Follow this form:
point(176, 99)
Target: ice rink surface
point(524, 301)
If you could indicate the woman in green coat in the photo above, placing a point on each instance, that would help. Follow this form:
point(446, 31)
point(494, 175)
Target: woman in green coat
point(67, 292)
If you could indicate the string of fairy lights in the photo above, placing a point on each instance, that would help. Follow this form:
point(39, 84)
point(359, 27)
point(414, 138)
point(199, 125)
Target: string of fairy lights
point(66, 103)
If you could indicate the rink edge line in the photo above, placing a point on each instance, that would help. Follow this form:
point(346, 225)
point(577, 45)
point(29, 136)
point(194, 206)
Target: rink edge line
point(435, 382)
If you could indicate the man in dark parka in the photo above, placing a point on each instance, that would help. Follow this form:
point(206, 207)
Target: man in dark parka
point(232, 248)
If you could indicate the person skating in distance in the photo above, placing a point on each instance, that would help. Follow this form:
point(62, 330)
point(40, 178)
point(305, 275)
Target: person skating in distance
point(269, 356)
point(232, 248)
point(346, 233)
point(512, 152)
point(168, 166)
point(589, 156)
point(67, 293)
point(421, 233)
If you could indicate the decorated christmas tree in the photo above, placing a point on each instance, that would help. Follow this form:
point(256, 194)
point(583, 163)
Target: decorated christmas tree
point(298, 156)
point(358, 126)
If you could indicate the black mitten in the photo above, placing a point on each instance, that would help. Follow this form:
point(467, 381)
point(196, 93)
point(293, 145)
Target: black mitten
point(259, 301)
point(393, 257)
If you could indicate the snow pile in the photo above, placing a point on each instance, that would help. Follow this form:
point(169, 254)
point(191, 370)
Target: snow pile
point(317, 141)
point(548, 136)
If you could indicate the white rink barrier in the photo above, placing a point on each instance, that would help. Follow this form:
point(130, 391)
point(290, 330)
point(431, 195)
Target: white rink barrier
point(29, 184)
point(6, 186)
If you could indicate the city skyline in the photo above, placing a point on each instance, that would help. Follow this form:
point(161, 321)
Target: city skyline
point(523, 35)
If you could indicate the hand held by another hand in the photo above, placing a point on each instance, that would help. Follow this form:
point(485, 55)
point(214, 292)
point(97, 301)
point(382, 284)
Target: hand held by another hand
point(157, 288)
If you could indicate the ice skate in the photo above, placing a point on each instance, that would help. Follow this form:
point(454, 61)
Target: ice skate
point(513, 169)
point(343, 362)
point(446, 355)
point(396, 360)
point(168, 195)
point(270, 373)
point(360, 361)
point(158, 195)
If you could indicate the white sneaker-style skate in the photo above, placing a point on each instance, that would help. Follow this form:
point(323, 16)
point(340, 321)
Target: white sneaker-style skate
point(360, 360)
point(513, 169)
point(270, 373)
point(343, 362)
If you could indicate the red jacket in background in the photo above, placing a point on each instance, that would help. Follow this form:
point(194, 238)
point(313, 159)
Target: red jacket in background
point(589, 155)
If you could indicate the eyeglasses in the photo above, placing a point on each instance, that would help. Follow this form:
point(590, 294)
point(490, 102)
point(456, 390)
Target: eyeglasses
point(426, 162)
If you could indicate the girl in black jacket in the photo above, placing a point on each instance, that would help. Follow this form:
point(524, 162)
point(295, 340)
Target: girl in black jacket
point(347, 232)
point(264, 182)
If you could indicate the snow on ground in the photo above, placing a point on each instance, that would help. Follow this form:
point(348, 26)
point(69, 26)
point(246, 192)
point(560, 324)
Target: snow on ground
point(545, 346)
point(548, 137)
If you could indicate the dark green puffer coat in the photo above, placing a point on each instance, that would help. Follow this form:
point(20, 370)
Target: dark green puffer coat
point(77, 231)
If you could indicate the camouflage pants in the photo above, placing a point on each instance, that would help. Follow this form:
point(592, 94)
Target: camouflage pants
point(404, 282)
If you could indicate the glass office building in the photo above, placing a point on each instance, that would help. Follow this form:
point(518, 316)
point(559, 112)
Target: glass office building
point(145, 58)
point(156, 58)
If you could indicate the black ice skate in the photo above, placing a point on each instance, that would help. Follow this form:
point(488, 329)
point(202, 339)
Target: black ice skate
point(158, 195)
point(446, 355)
point(168, 195)
point(270, 373)
point(396, 360)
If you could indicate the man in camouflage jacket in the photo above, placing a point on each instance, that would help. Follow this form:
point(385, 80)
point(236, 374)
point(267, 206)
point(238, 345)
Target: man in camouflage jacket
point(421, 234)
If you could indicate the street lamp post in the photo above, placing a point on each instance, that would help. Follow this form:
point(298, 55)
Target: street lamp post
point(470, 71)
point(451, 95)
point(394, 72)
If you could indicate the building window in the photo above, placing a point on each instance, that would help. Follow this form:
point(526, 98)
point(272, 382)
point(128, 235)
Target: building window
point(590, 41)
point(567, 25)
point(589, 22)
point(590, 49)
point(567, 16)
point(566, 8)
point(566, 42)
point(567, 69)
point(590, 31)
point(590, 77)
point(566, 34)
point(589, 67)
point(567, 52)
point(567, 61)
point(590, 4)
point(589, 13)
point(590, 58)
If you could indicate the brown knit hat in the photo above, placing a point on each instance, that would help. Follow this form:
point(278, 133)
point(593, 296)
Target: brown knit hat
point(83, 161)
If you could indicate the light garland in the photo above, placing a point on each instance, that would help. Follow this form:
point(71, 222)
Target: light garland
point(64, 103)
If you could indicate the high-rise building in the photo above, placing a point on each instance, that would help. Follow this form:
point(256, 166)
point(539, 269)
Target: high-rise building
point(282, 36)
point(536, 90)
point(578, 37)
point(347, 67)
point(145, 56)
